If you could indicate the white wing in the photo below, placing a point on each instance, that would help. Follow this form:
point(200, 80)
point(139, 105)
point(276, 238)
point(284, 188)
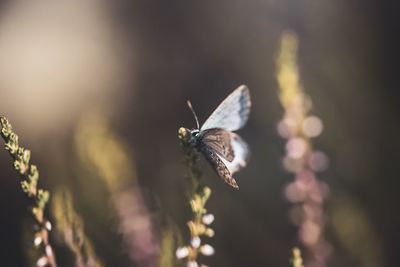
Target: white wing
point(232, 113)
point(242, 154)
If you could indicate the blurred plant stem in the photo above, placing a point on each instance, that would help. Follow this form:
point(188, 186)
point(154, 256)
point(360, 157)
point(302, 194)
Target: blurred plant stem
point(29, 185)
point(106, 155)
point(298, 127)
point(355, 232)
point(167, 248)
point(199, 195)
point(71, 228)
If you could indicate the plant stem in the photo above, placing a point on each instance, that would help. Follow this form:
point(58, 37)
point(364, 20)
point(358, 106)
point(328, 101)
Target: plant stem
point(30, 176)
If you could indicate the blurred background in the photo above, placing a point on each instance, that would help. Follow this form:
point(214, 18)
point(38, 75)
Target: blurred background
point(97, 91)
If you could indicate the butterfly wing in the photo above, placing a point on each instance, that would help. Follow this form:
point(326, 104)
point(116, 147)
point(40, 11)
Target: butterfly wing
point(218, 140)
point(225, 151)
point(241, 154)
point(232, 113)
point(218, 165)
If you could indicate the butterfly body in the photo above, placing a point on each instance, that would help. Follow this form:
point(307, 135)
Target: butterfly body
point(224, 150)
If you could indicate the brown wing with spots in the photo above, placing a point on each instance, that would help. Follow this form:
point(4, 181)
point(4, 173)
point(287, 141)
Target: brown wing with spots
point(218, 165)
point(220, 141)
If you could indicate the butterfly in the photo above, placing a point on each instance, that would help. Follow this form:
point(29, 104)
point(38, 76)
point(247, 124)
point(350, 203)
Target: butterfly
point(224, 150)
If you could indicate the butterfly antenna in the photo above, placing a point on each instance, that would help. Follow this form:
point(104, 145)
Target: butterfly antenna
point(194, 114)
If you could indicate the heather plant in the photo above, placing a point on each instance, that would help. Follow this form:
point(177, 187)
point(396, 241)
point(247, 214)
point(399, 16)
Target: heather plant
point(39, 197)
point(69, 225)
point(299, 127)
point(105, 154)
point(201, 219)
